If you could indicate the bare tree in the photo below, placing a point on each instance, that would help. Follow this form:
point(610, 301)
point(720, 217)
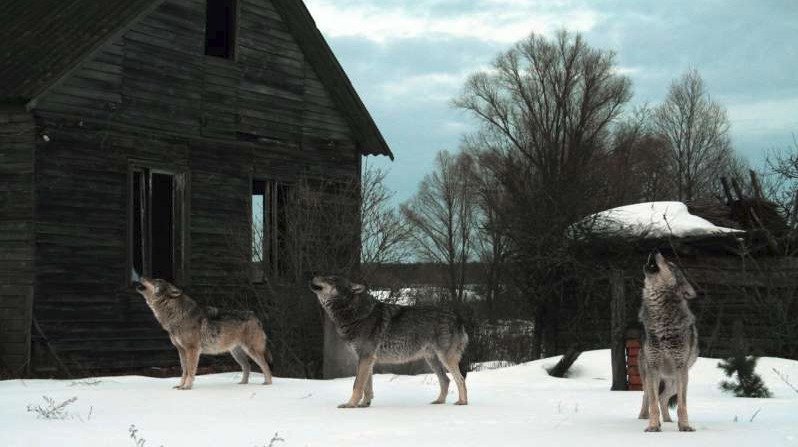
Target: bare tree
point(639, 161)
point(697, 130)
point(781, 181)
point(441, 218)
point(551, 103)
point(384, 234)
point(546, 109)
point(491, 241)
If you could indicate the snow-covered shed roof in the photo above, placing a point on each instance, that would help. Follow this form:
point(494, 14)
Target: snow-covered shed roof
point(652, 220)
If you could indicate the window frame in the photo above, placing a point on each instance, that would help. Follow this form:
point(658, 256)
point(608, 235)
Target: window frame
point(272, 239)
point(180, 214)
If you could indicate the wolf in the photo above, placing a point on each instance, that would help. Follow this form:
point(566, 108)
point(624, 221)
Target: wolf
point(195, 329)
point(390, 333)
point(669, 344)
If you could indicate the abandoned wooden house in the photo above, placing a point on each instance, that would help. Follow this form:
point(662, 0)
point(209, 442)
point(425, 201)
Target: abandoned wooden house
point(138, 134)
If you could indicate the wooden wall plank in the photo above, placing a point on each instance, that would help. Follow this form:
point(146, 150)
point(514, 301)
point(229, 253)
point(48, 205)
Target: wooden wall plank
point(17, 135)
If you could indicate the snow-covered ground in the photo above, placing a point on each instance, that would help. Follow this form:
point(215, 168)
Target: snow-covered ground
point(518, 405)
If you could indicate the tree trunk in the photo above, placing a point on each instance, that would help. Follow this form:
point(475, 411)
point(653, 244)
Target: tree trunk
point(618, 329)
point(565, 363)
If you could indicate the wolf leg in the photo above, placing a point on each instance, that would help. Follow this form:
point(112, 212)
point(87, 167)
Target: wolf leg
point(644, 408)
point(192, 360)
point(241, 358)
point(452, 363)
point(364, 368)
point(184, 372)
point(256, 353)
point(652, 391)
point(368, 394)
point(642, 370)
point(681, 400)
point(437, 367)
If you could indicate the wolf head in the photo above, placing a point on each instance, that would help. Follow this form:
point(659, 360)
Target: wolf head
point(663, 275)
point(331, 288)
point(159, 289)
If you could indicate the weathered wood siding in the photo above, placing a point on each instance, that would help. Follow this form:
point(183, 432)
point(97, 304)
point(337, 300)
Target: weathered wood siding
point(153, 96)
point(16, 238)
point(758, 293)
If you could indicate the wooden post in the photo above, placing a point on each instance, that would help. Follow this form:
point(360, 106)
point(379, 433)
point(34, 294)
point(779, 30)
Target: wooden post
point(618, 330)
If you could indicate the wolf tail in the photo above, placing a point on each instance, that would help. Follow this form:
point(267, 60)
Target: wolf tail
point(662, 388)
point(268, 354)
point(465, 327)
point(463, 366)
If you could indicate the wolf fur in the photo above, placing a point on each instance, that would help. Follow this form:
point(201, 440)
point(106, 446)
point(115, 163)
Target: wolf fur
point(389, 333)
point(196, 330)
point(670, 342)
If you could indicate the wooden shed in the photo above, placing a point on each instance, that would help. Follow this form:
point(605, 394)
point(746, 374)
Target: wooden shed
point(133, 135)
point(747, 297)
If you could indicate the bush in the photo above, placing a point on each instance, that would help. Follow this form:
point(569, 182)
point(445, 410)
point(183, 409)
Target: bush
point(748, 383)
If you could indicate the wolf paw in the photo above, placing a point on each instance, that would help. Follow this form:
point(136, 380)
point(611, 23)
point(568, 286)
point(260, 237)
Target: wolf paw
point(461, 402)
point(267, 382)
point(347, 405)
point(438, 401)
point(364, 404)
point(653, 428)
point(685, 427)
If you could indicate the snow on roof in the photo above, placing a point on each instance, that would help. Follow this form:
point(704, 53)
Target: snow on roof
point(652, 220)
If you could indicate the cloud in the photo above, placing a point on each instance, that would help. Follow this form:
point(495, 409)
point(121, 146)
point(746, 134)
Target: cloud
point(426, 86)
point(486, 20)
point(408, 58)
point(747, 117)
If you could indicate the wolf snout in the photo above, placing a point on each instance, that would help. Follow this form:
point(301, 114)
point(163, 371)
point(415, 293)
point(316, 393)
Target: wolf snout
point(139, 284)
point(315, 284)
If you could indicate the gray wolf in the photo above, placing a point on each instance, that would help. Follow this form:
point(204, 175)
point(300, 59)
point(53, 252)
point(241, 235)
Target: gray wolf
point(389, 333)
point(195, 329)
point(670, 341)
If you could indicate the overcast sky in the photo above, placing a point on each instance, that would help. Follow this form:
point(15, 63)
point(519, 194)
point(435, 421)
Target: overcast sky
point(409, 58)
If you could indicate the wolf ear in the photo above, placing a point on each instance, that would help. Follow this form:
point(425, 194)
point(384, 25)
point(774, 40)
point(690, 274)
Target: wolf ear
point(358, 288)
point(173, 291)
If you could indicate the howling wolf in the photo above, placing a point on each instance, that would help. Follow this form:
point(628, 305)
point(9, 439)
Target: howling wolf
point(389, 333)
point(208, 330)
point(670, 341)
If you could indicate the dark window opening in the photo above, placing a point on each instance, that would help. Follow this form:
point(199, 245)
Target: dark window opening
point(269, 229)
point(220, 28)
point(138, 198)
point(155, 210)
point(162, 226)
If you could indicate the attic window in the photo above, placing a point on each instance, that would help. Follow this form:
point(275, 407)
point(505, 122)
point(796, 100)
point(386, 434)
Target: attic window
point(220, 28)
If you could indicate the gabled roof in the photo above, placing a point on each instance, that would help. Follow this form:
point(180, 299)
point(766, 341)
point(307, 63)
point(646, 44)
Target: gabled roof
point(332, 75)
point(42, 40)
